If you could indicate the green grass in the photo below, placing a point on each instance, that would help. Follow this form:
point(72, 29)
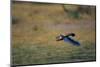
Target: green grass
point(43, 54)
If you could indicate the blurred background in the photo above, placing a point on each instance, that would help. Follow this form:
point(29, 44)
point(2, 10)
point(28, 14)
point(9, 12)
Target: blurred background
point(36, 25)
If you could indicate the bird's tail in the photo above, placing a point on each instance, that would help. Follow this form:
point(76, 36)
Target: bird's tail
point(70, 34)
point(76, 43)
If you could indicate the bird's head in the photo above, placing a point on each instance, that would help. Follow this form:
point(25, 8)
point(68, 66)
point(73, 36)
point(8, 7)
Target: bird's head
point(60, 37)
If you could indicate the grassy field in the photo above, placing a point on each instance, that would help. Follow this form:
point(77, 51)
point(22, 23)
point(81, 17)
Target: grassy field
point(34, 30)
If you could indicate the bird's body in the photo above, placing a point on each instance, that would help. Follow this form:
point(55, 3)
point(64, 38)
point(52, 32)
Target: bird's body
point(68, 38)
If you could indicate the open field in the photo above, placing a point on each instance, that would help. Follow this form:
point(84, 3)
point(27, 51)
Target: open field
point(34, 30)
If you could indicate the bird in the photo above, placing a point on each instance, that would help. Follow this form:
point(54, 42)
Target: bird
point(68, 38)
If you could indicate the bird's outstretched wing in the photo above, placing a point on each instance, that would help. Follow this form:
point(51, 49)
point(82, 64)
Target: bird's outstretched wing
point(72, 41)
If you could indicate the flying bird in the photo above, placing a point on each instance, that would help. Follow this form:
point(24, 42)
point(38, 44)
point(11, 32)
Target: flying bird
point(68, 38)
